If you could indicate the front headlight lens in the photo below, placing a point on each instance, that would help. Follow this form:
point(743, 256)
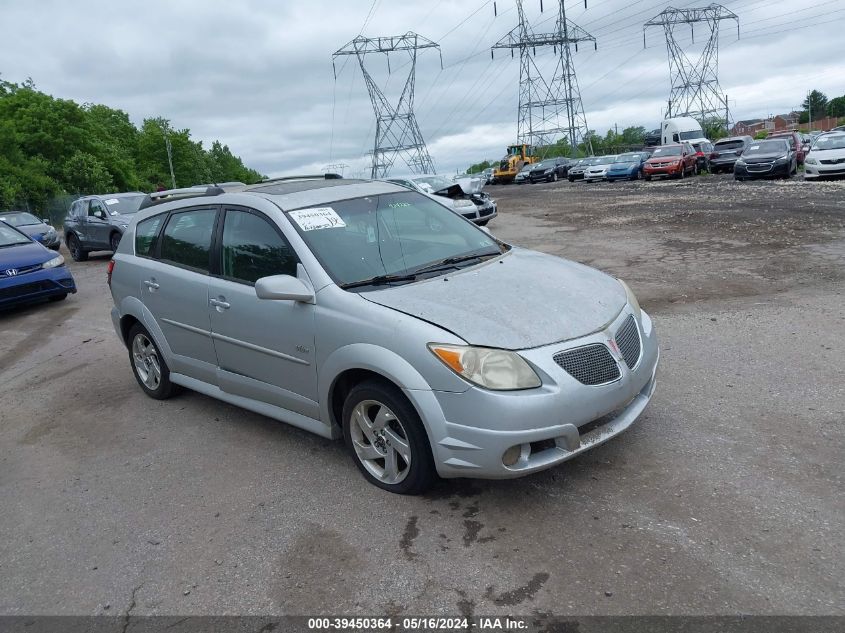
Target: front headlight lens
point(495, 369)
point(461, 204)
point(811, 161)
point(58, 260)
point(632, 300)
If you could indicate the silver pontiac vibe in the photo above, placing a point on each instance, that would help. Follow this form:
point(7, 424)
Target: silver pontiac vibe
point(366, 311)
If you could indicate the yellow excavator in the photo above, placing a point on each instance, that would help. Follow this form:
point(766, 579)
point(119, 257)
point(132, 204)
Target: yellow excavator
point(518, 156)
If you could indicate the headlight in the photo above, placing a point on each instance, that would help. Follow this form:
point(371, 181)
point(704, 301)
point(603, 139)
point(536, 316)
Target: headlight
point(459, 204)
point(495, 369)
point(58, 260)
point(782, 159)
point(811, 161)
point(739, 161)
point(632, 300)
point(51, 231)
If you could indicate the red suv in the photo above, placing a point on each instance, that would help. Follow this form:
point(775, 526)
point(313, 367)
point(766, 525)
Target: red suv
point(795, 142)
point(673, 161)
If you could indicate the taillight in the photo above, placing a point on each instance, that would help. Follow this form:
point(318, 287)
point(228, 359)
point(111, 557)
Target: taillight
point(110, 271)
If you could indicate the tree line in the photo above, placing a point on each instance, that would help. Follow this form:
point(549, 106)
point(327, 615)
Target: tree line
point(817, 106)
point(51, 147)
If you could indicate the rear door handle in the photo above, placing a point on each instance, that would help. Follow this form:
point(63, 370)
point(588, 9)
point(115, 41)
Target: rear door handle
point(151, 284)
point(219, 303)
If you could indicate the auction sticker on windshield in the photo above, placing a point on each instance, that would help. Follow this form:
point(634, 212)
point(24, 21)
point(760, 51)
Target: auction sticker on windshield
point(317, 218)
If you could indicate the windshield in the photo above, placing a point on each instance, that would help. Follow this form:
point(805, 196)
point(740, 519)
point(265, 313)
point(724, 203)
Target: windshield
point(125, 205)
point(767, 147)
point(10, 237)
point(669, 150)
point(543, 165)
point(390, 234)
point(431, 184)
point(628, 158)
point(19, 218)
point(832, 141)
point(686, 136)
point(722, 146)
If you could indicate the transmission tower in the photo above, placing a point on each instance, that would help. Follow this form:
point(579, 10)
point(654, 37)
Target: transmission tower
point(548, 110)
point(695, 86)
point(397, 132)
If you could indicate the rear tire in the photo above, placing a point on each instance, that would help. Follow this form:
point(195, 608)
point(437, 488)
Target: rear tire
point(114, 241)
point(387, 440)
point(148, 365)
point(77, 253)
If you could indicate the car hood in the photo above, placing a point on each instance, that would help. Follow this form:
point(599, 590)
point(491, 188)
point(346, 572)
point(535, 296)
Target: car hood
point(827, 154)
point(34, 229)
point(522, 300)
point(761, 158)
point(464, 186)
point(24, 255)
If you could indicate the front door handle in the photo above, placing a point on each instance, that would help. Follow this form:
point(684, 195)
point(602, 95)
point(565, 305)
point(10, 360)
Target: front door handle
point(219, 304)
point(151, 284)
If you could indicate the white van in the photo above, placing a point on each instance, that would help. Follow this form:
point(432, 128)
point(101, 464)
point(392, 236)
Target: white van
point(681, 129)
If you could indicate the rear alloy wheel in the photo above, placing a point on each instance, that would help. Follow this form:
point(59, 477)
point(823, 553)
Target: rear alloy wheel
point(149, 367)
point(387, 439)
point(554, 177)
point(77, 253)
point(114, 241)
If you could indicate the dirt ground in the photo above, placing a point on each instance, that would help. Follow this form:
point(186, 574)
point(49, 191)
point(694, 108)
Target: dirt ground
point(726, 497)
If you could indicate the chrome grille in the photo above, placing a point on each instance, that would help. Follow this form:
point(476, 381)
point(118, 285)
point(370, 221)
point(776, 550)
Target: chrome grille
point(628, 340)
point(590, 365)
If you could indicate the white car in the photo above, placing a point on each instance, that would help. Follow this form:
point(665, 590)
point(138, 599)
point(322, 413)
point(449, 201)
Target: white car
point(826, 157)
point(463, 195)
point(598, 171)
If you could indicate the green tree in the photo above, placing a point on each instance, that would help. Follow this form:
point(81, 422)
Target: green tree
point(836, 107)
point(815, 105)
point(86, 174)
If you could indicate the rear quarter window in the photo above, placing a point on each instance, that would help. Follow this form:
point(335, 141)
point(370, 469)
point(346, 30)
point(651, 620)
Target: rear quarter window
point(146, 235)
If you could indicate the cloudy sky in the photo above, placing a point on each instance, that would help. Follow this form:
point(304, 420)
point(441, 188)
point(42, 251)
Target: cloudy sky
point(258, 75)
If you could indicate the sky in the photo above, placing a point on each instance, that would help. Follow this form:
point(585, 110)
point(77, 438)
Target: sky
point(259, 77)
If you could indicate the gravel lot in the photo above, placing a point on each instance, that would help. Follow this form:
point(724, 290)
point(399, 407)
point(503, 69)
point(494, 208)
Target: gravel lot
point(726, 497)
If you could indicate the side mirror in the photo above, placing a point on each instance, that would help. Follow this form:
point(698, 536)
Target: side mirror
point(45, 220)
point(283, 288)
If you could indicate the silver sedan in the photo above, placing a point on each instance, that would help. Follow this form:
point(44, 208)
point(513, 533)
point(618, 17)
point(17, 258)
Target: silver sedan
point(366, 311)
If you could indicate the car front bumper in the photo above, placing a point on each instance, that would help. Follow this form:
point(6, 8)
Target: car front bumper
point(762, 170)
point(620, 175)
point(33, 286)
point(821, 171)
point(471, 430)
point(674, 170)
point(722, 163)
point(482, 213)
point(593, 176)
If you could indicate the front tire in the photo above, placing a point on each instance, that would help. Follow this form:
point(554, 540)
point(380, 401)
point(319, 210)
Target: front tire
point(77, 253)
point(148, 365)
point(387, 440)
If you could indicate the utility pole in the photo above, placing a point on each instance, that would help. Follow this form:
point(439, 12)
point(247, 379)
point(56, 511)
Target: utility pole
point(548, 110)
point(397, 132)
point(695, 90)
point(169, 149)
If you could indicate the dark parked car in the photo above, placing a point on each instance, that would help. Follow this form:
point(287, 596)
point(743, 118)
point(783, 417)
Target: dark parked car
point(39, 230)
point(96, 223)
point(770, 158)
point(672, 161)
point(702, 154)
point(29, 271)
point(794, 138)
point(726, 151)
point(652, 139)
point(576, 170)
point(628, 166)
point(549, 170)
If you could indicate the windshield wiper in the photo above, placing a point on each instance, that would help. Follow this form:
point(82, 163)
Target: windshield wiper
point(379, 280)
point(450, 262)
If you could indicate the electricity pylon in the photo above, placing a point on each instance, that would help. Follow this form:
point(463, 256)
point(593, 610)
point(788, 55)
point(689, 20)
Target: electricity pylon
point(695, 88)
point(397, 132)
point(548, 110)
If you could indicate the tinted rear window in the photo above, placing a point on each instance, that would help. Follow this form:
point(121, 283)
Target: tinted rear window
point(725, 145)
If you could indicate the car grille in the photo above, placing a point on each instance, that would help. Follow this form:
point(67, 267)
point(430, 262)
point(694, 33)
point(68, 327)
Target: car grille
point(23, 290)
point(660, 165)
point(759, 167)
point(628, 340)
point(832, 161)
point(590, 365)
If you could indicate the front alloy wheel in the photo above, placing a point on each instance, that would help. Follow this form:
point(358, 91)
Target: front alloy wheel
point(387, 439)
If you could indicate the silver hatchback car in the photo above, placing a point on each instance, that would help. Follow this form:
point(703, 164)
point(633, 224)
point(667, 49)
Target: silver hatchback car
point(366, 311)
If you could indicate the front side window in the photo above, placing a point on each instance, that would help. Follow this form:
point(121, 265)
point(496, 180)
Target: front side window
point(253, 248)
point(146, 234)
point(187, 238)
point(96, 210)
point(391, 234)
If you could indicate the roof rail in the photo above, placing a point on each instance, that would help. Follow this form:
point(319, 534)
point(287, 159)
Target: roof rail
point(168, 195)
point(328, 176)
